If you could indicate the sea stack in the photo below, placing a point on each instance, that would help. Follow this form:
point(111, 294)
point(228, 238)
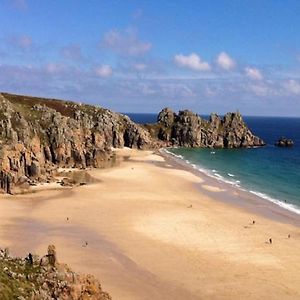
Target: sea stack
point(284, 142)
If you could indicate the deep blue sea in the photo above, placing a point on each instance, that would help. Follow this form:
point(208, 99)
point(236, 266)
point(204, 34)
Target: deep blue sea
point(270, 172)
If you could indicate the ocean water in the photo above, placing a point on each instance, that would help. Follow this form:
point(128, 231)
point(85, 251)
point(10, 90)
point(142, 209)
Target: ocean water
point(270, 172)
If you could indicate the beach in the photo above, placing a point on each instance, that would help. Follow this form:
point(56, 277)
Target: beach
point(150, 228)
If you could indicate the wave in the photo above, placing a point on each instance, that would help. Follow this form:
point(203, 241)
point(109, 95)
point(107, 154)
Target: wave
point(285, 205)
point(213, 173)
point(236, 183)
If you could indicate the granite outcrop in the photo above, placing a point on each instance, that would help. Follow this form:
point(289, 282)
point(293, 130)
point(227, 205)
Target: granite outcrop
point(284, 142)
point(187, 129)
point(39, 135)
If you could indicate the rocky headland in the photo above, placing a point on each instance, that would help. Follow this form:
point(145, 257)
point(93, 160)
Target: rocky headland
point(45, 279)
point(37, 136)
point(187, 129)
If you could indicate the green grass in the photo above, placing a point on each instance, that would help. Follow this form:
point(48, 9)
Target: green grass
point(24, 104)
point(23, 281)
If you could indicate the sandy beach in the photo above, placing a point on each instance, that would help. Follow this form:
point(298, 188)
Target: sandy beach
point(150, 229)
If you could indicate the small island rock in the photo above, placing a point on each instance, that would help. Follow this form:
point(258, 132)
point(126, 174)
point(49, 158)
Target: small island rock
point(284, 142)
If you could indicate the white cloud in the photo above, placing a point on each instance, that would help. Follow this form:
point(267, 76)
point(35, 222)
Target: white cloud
point(140, 67)
point(269, 97)
point(125, 43)
point(260, 89)
point(25, 41)
point(225, 61)
point(55, 68)
point(22, 42)
point(253, 73)
point(292, 86)
point(192, 61)
point(104, 71)
point(72, 52)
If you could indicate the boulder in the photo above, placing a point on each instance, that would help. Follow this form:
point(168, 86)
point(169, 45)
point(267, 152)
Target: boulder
point(284, 142)
point(166, 117)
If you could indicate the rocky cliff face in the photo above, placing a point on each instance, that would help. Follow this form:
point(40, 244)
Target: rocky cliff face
point(187, 129)
point(39, 135)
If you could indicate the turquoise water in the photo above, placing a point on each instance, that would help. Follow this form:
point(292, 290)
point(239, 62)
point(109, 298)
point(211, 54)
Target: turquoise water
point(270, 172)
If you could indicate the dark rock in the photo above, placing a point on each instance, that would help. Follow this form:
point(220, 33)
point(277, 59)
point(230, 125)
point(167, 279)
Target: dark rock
point(284, 142)
point(188, 129)
point(166, 117)
point(34, 169)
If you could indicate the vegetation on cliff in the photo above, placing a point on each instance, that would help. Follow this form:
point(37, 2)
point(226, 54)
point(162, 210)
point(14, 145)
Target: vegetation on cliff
point(44, 278)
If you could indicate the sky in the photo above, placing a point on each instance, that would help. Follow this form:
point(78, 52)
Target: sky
point(141, 56)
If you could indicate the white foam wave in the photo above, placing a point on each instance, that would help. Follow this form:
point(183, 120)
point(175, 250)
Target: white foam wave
point(213, 173)
point(219, 176)
point(285, 205)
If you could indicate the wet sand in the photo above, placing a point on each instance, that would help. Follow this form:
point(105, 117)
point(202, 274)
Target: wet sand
point(155, 230)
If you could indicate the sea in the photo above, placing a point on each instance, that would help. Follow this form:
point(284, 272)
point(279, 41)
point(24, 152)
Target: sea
point(270, 172)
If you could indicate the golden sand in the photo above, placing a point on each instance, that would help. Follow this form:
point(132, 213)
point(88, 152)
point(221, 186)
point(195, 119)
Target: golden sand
point(152, 234)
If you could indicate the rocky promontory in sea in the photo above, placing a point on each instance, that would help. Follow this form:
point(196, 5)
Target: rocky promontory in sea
point(45, 279)
point(187, 129)
point(38, 135)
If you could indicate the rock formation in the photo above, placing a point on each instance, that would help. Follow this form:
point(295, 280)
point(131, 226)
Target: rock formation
point(284, 142)
point(187, 129)
point(45, 279)
point(39, 135)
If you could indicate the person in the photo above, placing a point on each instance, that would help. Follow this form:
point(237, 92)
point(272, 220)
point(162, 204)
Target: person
point(270, 240)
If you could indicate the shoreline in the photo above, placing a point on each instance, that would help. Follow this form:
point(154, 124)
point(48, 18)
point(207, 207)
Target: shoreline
point(149, 230)
point(229, 193)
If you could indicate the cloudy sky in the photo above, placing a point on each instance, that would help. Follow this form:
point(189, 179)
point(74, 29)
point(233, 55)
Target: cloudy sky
point(140, 56)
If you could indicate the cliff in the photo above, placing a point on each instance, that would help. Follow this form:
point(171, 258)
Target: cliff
point(187, 129)
point(45, 279)
point(37, 136)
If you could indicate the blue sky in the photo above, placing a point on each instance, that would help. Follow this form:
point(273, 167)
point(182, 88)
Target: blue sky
point(140, 56)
